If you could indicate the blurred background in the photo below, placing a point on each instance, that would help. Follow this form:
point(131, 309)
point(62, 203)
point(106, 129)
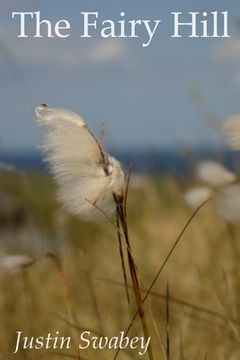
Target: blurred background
point(171, 95)
point(163, 108)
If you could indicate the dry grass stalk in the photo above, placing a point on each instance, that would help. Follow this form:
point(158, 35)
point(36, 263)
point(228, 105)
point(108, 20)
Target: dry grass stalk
point(121, 215)
point(119, 208)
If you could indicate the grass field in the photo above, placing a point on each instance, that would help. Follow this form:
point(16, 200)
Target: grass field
point(76, 282)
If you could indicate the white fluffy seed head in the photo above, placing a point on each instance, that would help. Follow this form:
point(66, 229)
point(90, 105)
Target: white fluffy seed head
point(214, 174)
point(14, 263)
point(196, 196)
point(228, 203)
point(87, 177)
point(232, 130)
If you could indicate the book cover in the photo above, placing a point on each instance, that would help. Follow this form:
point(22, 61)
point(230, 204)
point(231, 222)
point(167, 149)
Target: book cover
point(119, 180)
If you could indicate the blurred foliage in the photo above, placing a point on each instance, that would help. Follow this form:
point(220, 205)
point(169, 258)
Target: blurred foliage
point(76, 284)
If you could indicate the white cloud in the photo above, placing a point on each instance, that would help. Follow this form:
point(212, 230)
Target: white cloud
point(229, 50)
point(65, 54)
point(106, 51)
point(70, 53)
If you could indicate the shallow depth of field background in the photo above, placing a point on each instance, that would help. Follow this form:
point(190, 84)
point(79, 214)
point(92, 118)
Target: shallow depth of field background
point(204, 270)
point(163, 108)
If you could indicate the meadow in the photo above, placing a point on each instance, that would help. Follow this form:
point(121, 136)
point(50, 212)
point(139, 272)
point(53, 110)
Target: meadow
point(75, 282)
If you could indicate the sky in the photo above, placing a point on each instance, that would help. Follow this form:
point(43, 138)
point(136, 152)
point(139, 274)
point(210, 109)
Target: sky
point(173, 93)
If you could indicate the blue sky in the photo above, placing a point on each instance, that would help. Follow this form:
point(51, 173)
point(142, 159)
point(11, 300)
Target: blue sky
point(145, 96)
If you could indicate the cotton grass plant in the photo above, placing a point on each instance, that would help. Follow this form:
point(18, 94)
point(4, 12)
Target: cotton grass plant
point(87, 176)
point(217, 180)
point(222, 185)
point(232, 130)
point(91, 182)
point(214, 174)
point(197, 195)
point(15, 263)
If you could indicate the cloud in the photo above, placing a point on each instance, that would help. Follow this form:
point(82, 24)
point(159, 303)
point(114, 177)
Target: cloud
point(68, 54)
point(229, 50)
point(106, 51)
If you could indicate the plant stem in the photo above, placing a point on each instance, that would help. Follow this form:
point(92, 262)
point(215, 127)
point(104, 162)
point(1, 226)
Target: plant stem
point(133, 270)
